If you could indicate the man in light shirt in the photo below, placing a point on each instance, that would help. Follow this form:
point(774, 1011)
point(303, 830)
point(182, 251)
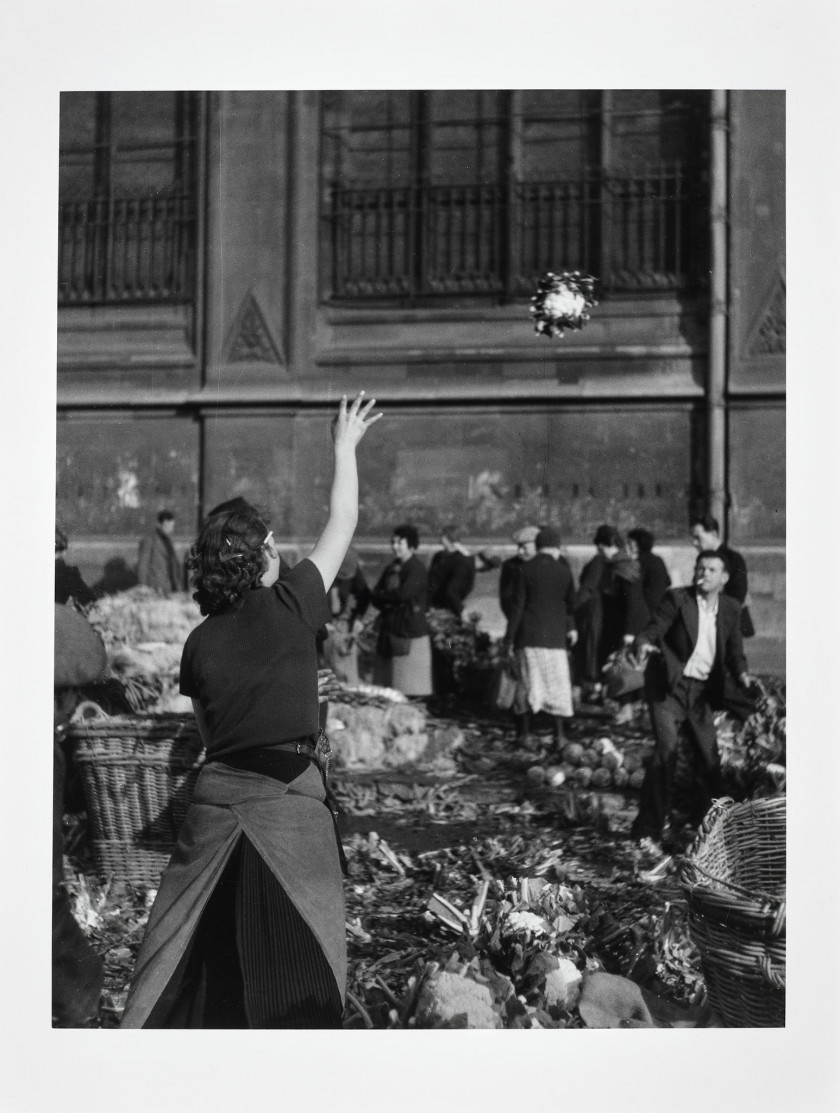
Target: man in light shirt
point(690, 645)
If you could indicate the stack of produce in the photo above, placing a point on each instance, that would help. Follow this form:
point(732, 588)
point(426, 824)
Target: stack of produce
point(144, 636)
point(596, 764)
point(368, 730)
point(470, 652)
point(754, 755)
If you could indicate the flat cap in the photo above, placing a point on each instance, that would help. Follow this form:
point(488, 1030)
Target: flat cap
point(526, 534)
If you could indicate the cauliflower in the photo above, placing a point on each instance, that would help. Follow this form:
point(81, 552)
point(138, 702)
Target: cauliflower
point(564, 303)
point(449, 1000)
point(604, 745)
point(523, 921)
point(562, 986)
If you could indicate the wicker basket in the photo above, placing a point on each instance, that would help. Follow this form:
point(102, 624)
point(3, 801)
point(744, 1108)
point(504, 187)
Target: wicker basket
point(138, 774)
point(734, 880)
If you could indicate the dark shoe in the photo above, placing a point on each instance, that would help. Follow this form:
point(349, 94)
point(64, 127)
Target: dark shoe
point(669, 839)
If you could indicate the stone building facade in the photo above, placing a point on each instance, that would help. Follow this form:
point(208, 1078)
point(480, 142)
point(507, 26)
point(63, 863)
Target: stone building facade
point(231, 262)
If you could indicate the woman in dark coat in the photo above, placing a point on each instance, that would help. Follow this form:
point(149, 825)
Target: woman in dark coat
point(400, 596)
point(451, 573)
point(610, 607)
point(655, 577)
point(247, 929)
point(540, 629)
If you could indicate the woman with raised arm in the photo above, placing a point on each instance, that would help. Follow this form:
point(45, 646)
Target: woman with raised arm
point(247, 929)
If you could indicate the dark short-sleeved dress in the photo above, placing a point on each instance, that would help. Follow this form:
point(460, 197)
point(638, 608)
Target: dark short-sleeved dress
point(247, 929)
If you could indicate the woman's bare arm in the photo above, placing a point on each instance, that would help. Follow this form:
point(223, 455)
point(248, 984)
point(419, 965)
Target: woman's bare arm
point(349, 427)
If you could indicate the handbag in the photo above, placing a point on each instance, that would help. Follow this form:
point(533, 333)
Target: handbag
point(623, 674)
point(505, 683)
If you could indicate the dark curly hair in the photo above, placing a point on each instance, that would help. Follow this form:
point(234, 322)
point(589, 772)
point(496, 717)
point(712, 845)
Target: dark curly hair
point(643, 538)
point(609, 536)
point(409, 533)
point(227, 558)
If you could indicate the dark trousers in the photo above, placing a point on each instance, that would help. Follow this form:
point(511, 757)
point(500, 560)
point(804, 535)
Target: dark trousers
point(683, 718)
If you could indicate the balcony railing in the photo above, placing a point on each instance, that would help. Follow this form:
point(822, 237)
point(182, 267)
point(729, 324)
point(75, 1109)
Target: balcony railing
point(634, 233)
point(126, 250)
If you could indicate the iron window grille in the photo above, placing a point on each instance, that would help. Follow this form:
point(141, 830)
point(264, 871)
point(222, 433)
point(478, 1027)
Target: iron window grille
point(127, 198)
point(611, 208)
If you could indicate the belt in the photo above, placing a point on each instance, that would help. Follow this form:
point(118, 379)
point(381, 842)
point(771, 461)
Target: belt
point(246, 759)
point(301, 746)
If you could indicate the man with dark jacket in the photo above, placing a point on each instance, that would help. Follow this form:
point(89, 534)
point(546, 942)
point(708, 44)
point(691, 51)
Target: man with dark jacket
point(705, 534)
point(157, 564)
point(540, 628)
point(690, 644)
point(451, 573)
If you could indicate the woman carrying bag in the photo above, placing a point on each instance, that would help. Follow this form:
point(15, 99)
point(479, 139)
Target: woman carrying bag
point(403, 648)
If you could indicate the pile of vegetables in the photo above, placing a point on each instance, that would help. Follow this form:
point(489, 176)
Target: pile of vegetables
point(754, 755)
point(597, 765)
point(140, 615)
point(374, 733)
point(143, 635)
point(470, 652)
point(493, 892)
point(494, 949)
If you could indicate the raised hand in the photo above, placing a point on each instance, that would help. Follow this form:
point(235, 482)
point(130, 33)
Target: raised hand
point(353, 421)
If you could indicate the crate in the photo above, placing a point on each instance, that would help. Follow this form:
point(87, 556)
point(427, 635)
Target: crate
point(734, 882)
point(138, 774)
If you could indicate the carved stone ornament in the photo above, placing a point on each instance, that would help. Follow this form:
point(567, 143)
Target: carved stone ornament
point(770, 335)
point(252, 341)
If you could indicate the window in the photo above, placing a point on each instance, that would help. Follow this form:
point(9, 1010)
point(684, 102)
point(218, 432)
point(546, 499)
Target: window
point(127, 185)
point(478, 193)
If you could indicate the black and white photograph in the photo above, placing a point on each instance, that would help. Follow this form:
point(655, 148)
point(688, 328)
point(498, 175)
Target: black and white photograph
point(417, 449)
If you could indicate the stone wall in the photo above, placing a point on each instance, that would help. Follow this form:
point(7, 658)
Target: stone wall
point(488, 423)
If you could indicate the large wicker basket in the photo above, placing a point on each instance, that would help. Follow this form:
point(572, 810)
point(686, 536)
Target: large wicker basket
point(138, 774)
point(734, 881)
